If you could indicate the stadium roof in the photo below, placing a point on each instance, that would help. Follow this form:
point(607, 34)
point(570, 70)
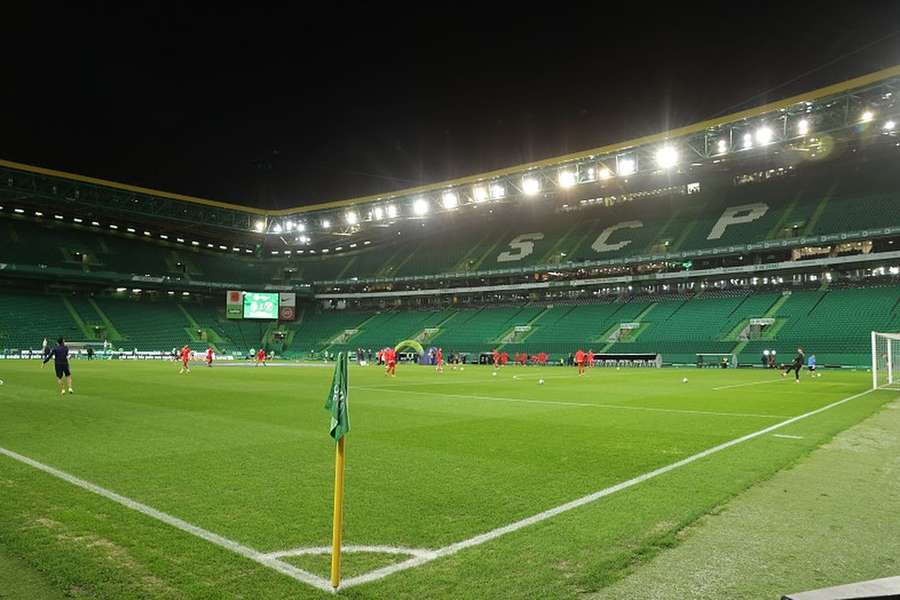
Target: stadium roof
point(239, 217)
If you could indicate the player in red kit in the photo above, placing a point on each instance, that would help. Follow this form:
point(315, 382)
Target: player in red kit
point(496, 356)
point(439, 360)
point(185, 359)
point(579, 360)
point(209, 356)
point(590, 358)
point(261, 358)
point(504, 358)
point(391, 358)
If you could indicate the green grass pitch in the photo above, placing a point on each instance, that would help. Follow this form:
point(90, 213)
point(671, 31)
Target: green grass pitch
point(432, 460)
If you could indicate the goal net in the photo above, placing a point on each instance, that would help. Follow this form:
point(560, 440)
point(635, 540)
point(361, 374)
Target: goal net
point(716, 359)
point(885, 356)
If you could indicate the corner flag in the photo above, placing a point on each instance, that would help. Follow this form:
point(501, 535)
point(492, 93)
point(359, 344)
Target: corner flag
point(336, 404)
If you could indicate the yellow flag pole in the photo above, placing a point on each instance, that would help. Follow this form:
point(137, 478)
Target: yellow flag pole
point(337, 531)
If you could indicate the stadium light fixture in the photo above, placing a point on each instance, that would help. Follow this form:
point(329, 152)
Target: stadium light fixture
point(179, 240)
point(566, 179)
point(591, 173)
point(77, 220)
point(38, 213)
point(163, 236)
point(420, 206)
point(259, 226)
point(147, 233)
point(352, 245)
point(113, 226)
point(667, 157)
point(764, 135)
point(129, 229)
point(195, 243)
point(276, 252)
point(889, 126)
point(136, 290)
point(287, 252)
point(625, 167)
point(235, 249)
point(185, 293)
point(326, 224)
point(277, 228)
point(391, 211)
point(450, 200)
point(221, 247)
point(479, 193)
point(748, 141)
point(867, 116)
point(605, 174)
point(352, 218)
point(366, 243)
point(339, 248)
point(289, 226)
point(722, 146)
point(121, 289)
point(248, 251)
point(325, 250)
point(378, 213)
point(498, 191)
point(58, 217)
point(18, 211)
point(301, 226)
point(210, 246)
point(802, 127)
point(531, 186)
point(171, 293)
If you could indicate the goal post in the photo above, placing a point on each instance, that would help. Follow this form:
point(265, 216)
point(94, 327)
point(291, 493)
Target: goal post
point(885, 355)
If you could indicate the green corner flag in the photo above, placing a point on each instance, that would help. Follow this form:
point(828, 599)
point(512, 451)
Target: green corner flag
point(336, 403)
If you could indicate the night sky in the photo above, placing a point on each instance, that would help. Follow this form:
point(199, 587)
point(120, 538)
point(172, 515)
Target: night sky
point(282, 108)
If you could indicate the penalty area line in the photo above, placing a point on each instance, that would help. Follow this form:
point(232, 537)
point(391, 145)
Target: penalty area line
point(213, 538)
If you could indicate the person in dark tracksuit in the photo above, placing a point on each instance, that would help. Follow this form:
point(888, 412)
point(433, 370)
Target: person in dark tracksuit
point(60, 356)
point(795, 366)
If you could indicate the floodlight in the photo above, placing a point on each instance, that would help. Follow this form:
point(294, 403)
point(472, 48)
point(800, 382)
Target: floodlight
point(77, 220)
point(326, 224)
point(352, 218)
point(121, 289)
point(113, 226)
point(764, 135)
point(128, 229)
point(163, 236)
point(391, 211)
point(605, 173)
point(185, 293)
point(867, 116)
point(378, 213)
point(449, 200)
point(18, 211)
point(802, 127)
point(339, 248)
point(722, 146)
point(566, 179)
point(259, 226)
point(748, 141)
point(289, 226)
point(195, 243)
point(667, 157)
point(420, 206)
point(221, 247)
point(179, 240)
point(301, 226)
point(353, 245)
point(147, 233)
point(38, 213)
point(497, 191)
point(626, 167)
point(889, 126)
point(530, 186)
point(58, 217)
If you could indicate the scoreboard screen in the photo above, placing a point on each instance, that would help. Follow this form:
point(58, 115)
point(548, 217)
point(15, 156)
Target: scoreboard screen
point(261, 305)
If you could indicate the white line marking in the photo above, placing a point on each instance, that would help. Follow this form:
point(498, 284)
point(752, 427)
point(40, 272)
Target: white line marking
point(737, 385)
point(788, 437)
point(213, 538)
point(547, 514)
point(581, 404)
point(307, 550)
point(423, 556)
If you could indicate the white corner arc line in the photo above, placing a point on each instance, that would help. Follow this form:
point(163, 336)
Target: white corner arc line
point(787, 437)
point(213, 538)
point(737, 385)
point(308, 550)
point(547, 514)
point(579, 404)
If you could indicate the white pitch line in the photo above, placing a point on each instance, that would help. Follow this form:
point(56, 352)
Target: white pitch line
point(307, 550)
point(788, 437)
point(213, 538)
point(547, 514)
point(425, 556)
point(737, 385)
point(579, 404)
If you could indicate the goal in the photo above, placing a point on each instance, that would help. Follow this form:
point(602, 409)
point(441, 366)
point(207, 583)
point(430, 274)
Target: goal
point(716, 359)
point(885, 356)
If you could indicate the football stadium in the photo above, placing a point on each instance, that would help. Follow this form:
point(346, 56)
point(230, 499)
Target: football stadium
point(662, 368)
